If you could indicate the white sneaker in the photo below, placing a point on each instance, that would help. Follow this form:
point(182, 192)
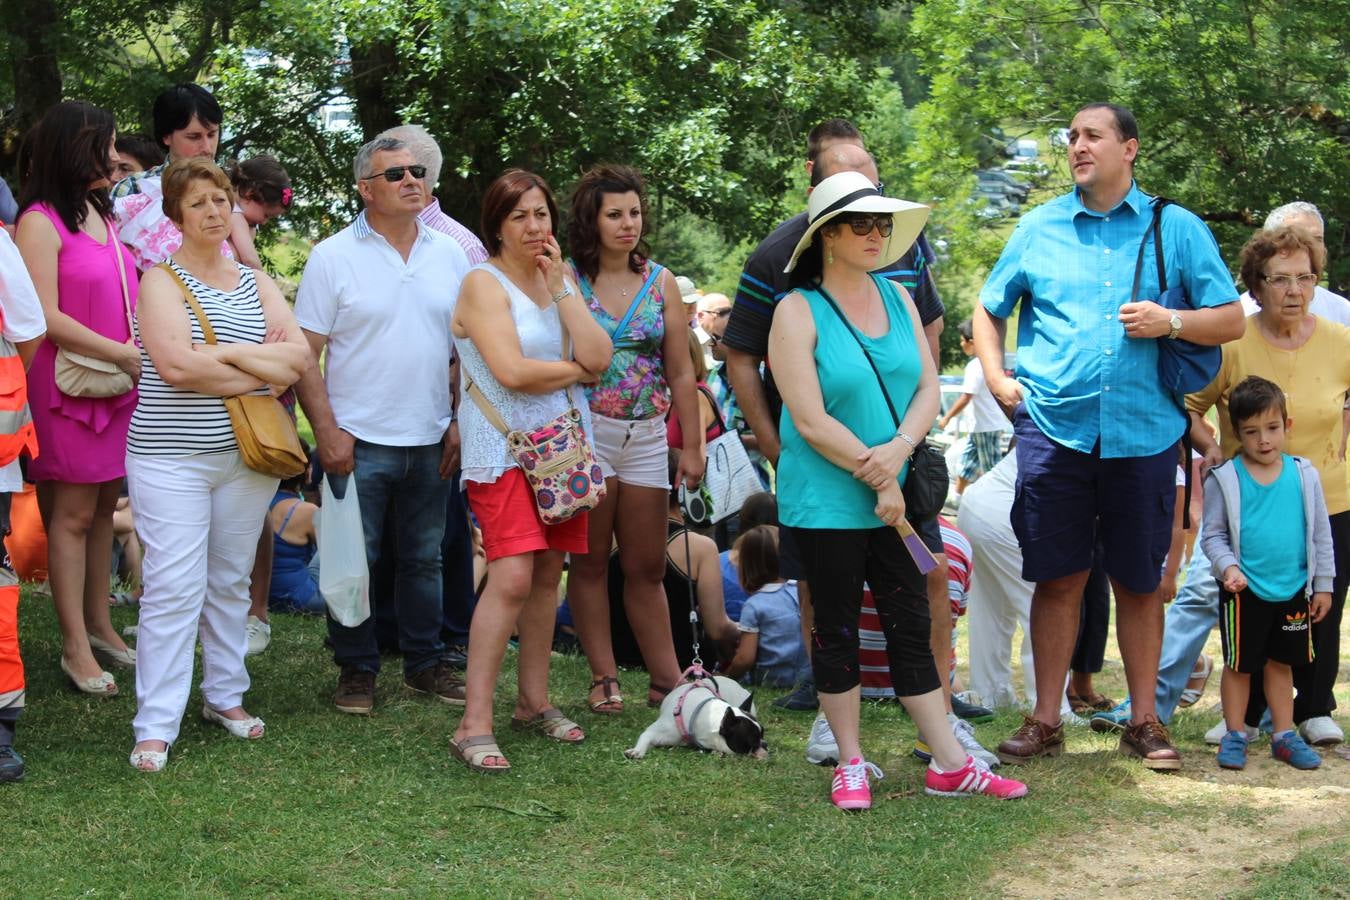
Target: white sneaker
point(1214, 736)
point(1322, 731)
point(821, 747)
point(965, 736)
point(259, 635)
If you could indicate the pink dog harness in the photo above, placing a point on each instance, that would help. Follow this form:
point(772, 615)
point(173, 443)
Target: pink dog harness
point(700, 679)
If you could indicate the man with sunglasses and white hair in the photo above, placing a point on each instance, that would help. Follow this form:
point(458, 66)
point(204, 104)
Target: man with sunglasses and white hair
point(458, 599)
point(379, 295)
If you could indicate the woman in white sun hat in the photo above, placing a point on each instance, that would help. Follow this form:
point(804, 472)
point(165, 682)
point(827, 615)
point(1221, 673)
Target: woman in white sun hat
point(853, 343)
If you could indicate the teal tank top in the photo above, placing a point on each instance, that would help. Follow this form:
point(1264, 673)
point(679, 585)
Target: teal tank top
point(812, 491)
point(1274, 532)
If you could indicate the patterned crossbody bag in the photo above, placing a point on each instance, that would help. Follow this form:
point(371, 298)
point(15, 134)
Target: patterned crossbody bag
point(555, 457)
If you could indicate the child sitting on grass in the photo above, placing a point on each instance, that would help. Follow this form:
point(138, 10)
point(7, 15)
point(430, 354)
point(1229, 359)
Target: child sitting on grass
point(1267, 534)
point(771, 619)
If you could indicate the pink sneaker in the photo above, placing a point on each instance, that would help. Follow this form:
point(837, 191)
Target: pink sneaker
point(972, 778)
point(850, 789)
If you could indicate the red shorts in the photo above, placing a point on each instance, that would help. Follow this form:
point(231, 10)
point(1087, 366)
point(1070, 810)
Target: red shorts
point(510, 521)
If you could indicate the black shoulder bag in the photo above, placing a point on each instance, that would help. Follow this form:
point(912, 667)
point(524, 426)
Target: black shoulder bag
point(925, 487)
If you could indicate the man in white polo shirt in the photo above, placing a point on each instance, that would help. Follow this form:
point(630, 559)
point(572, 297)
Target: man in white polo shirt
point(379, 296)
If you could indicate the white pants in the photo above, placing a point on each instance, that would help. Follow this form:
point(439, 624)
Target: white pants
point(999, 600)
point(198, 518)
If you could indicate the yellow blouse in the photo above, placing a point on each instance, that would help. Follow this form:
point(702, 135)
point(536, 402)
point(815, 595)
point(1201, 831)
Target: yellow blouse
point(1315, 378)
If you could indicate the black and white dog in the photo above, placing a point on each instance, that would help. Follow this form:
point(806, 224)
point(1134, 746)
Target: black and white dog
point(712, 713)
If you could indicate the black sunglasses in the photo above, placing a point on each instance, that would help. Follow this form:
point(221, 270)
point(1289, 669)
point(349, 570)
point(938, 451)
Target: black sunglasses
point(864, 223)
point(394, 174)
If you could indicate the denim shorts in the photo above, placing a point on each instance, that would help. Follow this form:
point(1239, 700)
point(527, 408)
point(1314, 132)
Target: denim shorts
point(1065, 499)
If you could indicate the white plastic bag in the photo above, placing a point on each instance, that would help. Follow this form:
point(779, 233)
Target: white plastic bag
point(344, 579)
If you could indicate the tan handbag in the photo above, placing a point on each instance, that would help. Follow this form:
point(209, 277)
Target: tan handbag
point(265, 432)
point(78, 375)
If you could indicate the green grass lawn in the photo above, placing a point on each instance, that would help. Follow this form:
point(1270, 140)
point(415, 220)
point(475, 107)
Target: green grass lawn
point(330, 805)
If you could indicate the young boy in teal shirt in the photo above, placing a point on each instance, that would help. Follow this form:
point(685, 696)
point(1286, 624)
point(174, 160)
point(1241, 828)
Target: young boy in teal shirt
point(1267, 534)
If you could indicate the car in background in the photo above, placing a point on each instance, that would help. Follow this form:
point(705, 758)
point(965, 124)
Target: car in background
point(995, 196)
point(1034, 169)
point(1059, 138)
point(1024, 148)
point(1011, 187)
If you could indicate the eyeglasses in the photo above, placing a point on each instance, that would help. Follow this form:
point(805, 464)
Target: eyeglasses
point(394, 174)
point(1290, 282)
point(862, 225)
point(720, 313)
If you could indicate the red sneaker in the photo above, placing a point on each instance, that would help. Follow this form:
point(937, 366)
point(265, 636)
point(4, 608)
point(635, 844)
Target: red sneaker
point(971, 779)
point(850, 789)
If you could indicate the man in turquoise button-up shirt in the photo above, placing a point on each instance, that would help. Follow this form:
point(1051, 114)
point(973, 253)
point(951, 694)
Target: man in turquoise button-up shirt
point(1097, 434)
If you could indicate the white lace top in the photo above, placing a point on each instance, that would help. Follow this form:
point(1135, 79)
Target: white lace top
point(483, 452)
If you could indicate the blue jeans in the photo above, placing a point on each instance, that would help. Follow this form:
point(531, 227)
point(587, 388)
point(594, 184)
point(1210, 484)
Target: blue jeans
point(1190, 618)
point(457, 587)
point(404, 481)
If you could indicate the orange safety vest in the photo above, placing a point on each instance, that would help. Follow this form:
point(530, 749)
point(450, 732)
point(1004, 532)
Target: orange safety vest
point(11, 666)
point(16, 421)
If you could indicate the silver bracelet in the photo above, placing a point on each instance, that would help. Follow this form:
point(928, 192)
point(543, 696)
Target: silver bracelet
point(907, 439)
point(561, 295)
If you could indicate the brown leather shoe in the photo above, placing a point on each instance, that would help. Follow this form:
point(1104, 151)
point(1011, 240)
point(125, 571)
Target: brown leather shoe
point(441, 681)
point(1150, 742)
point(355, 692)
point(1034, 739)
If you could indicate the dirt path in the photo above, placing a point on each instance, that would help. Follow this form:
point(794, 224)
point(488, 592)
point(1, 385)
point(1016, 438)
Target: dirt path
point(1264, 814)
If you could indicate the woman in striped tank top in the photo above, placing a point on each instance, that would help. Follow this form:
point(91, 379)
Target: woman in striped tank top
point(198, 507)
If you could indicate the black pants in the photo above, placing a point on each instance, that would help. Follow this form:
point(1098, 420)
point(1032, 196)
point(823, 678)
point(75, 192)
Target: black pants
point(836, 563)
point(1313, 683)
point(1089, 653)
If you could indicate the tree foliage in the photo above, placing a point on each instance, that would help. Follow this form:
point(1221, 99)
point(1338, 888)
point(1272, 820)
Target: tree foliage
point(713, 99)
point(1242, 104)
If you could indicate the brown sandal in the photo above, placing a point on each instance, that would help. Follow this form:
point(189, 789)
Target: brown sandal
point(551, 723)
point(612, 703)
point(660, 692)
point(472, 751)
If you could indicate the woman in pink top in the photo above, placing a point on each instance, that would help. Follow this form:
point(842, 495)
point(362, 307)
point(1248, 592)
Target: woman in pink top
point(87, 284)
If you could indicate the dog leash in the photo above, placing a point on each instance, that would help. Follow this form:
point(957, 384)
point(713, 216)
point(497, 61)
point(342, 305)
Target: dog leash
point(696, 663)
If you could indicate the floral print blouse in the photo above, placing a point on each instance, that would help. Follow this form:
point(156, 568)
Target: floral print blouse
point(634, 386)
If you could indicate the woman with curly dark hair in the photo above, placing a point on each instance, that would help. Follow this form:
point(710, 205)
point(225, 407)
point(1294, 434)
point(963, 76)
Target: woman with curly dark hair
point(638, 303)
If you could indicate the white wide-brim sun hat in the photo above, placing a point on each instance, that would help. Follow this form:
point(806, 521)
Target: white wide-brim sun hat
point(846, 192)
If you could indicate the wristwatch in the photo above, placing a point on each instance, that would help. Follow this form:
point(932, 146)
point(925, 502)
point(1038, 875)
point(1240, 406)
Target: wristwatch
point(1175, 329)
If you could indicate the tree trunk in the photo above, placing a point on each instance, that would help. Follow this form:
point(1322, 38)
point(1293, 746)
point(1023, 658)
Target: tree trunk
point(33, 28)
point(373, 67)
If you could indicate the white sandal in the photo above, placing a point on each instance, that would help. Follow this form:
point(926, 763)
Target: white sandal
point(239, 728)
point(149, 760)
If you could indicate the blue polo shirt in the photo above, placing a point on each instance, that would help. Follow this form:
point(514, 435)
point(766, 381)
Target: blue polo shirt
point(1070, 268)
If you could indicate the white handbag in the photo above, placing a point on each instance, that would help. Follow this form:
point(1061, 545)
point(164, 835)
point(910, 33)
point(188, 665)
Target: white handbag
point(730, 477)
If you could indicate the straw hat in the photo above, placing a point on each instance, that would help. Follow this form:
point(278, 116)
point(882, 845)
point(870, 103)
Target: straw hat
point(847, 192)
